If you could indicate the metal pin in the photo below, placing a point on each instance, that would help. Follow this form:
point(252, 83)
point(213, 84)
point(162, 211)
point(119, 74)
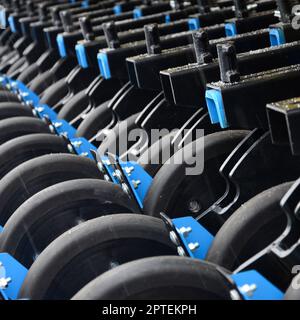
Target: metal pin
point(77, 144)
point(185, 231)
point(193, 246)
point(248, 289)
point(4, 282)
point(136, 183)
point(129, 170)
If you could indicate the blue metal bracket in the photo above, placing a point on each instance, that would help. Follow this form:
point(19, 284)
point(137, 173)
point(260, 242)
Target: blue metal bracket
point(61, 46)
point(117, 9)
point(12, 275)
point(214, 102)
point(128, 174)
point(26, 94)
point(277, 37)
point(195, 238)
point(3, 18)
point(138, 180)
point(63, 127)
point(83, 147)
point(253, 286)
point(194, 23)
point(81, 56)
point(137, 13)
point(11, 22)
point(103, 65)
point(167, 18)
point(230, 29)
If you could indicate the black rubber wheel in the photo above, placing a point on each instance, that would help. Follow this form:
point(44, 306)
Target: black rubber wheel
point(293, 292)
point(54, 210)
point(14, 109)
point(159, 278)
point(37, 174)
point(75, 106)
point(21, 149)
point(96, 120)
point(172, 190)
point(7, 96)
point(20, 126)
point(250, 229)
point(105, 242)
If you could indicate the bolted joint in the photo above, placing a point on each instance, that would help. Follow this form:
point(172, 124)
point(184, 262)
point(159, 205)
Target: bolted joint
point(228, 62)
point(152, 38)
point(87, 28)
point(4, 282)
point(201, 46)
point(111, 35)
point(193, 246)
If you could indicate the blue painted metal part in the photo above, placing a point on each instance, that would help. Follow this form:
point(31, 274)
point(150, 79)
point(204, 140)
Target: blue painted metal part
point(277, 37)
point(45, 111)
point(167, 18)
point(138, 180)
point(26, 94)
point(194, 23)
point(85, 4)
point(253, 286)
point(3, 18)
point(215, 107)
point(61, 46)
point(197, 241)
point(117, 9)
point(109, 169)
point(103, 65)
point(137, 13)
point(11, 269)
point(11, 22)
point(83, 147)
point(81, 56)
point(63, 127)
point(1, 228)
point(230, 29)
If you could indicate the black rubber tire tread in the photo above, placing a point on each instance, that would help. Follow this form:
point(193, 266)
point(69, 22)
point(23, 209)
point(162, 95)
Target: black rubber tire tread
point(14, 109)
point(61, 257)
point(60, 206)
point(7, 96)
point(21, 149)
point(20, 126)
point(242, 228)
point(171, 276)
point(39, 173)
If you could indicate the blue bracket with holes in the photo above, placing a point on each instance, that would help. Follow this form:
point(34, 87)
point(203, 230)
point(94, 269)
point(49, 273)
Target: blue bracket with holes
point(230, 29)
point(194, 23)
point(12, 275)
point(253, 286)
point(277, 37)
point(215, 106)
point(136, 178)
point(83, 147)
point(195, 238)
